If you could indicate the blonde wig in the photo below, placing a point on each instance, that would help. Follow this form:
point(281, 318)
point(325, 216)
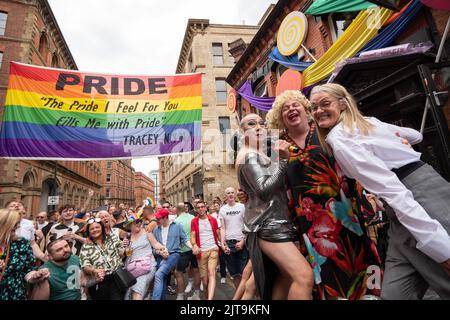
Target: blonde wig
point(8, 220)
point(274, 117)
point(350, 117)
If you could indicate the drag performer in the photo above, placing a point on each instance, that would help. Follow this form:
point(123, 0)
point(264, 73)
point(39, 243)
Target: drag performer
point(280, 271)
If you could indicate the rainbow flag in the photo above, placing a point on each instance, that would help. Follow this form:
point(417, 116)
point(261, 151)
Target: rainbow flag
point(149, 202)
point(66, 114)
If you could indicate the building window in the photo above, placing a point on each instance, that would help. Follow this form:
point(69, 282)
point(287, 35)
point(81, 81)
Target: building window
point(224, 127)
point(1, 58)
point(55, 63)
point(231, 59)
point(108, 177)
point(190, 63)
point(217, 51)
point(108, 193)
point(224, 124)
point(221, 91)
point(109, 165)
point(43, 45)
point(261, 89)
point(280, 70)
point(339, 22)
point(3, 18)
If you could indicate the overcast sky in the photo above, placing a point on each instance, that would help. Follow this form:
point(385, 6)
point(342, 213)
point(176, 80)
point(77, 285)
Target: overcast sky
point(141, 36)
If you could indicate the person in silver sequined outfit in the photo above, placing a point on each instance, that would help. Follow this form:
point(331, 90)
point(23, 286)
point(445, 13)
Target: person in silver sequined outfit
point(280, 271)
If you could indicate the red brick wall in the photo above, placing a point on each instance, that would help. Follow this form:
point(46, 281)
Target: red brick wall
point(121, 184)
point(143, 187)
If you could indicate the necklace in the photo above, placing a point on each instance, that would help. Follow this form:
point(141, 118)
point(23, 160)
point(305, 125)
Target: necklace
point(303, 155)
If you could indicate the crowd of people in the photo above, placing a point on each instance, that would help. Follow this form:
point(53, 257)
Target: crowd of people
point(74, 254)
point(308, 222)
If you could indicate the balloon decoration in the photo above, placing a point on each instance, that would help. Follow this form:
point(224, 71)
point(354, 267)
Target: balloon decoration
point(231, 100)
point(289, 80)
point(292, 33)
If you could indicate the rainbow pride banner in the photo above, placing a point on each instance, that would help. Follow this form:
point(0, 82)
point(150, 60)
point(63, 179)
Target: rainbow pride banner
point(65, 114)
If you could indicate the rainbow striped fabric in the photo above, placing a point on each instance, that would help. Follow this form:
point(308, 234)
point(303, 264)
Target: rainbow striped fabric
point(65, 114)
point(149, 202)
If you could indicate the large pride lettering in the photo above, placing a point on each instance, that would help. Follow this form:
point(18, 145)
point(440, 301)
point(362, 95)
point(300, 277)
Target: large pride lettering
point(65, 114)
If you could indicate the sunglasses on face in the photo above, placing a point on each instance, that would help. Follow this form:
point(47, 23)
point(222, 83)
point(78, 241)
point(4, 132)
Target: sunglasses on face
point(253, 123)
point(40, 217)
point(92, 220)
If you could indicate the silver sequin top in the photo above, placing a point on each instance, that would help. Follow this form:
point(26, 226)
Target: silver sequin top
point(264, 182)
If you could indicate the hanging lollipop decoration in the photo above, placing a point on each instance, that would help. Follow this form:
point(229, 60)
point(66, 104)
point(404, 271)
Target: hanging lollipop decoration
point(231, 100)
point(292, 33)
point(289, 80)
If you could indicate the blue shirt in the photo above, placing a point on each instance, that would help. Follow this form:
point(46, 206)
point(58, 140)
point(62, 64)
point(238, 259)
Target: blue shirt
point(175, 237)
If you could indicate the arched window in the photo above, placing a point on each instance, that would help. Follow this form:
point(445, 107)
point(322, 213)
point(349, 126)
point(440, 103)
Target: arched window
point(43, 45)
point(55, 62)
point(28, 180)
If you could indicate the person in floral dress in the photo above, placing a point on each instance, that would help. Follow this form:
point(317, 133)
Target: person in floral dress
point(328, 209)
point(16, 259)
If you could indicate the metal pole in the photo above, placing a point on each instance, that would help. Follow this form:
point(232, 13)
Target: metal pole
point(424, 117)
point(310, 54)
point(444, 37)
point(438, 57)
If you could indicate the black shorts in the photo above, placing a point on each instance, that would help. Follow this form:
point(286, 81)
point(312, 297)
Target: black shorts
point(185, 259)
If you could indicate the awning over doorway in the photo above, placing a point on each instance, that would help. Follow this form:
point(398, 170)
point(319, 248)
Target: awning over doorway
point(329, 6)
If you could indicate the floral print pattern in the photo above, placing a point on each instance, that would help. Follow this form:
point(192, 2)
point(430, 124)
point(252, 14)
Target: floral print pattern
point(330, 212)
point(21, 262)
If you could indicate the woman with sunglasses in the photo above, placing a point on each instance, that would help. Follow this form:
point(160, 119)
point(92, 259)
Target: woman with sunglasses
point(366, 148)
point(99, 258)
point(280, 271)
point(141, 263)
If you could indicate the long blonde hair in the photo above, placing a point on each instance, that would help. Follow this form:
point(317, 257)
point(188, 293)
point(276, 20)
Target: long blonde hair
point(8, 220)
point(350, 117)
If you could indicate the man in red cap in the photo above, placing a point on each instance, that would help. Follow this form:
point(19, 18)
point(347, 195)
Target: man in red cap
point(172, 236)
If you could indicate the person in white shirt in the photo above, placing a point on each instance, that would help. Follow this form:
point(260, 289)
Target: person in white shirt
point(231, 217)
point(214, 209)
point(26, 229)
point(368, 150)
point(205, 237)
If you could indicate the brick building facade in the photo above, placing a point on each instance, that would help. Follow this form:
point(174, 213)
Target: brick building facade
point(206, 173)
point(118, 182)
point(143, 187)
point(29, 33)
